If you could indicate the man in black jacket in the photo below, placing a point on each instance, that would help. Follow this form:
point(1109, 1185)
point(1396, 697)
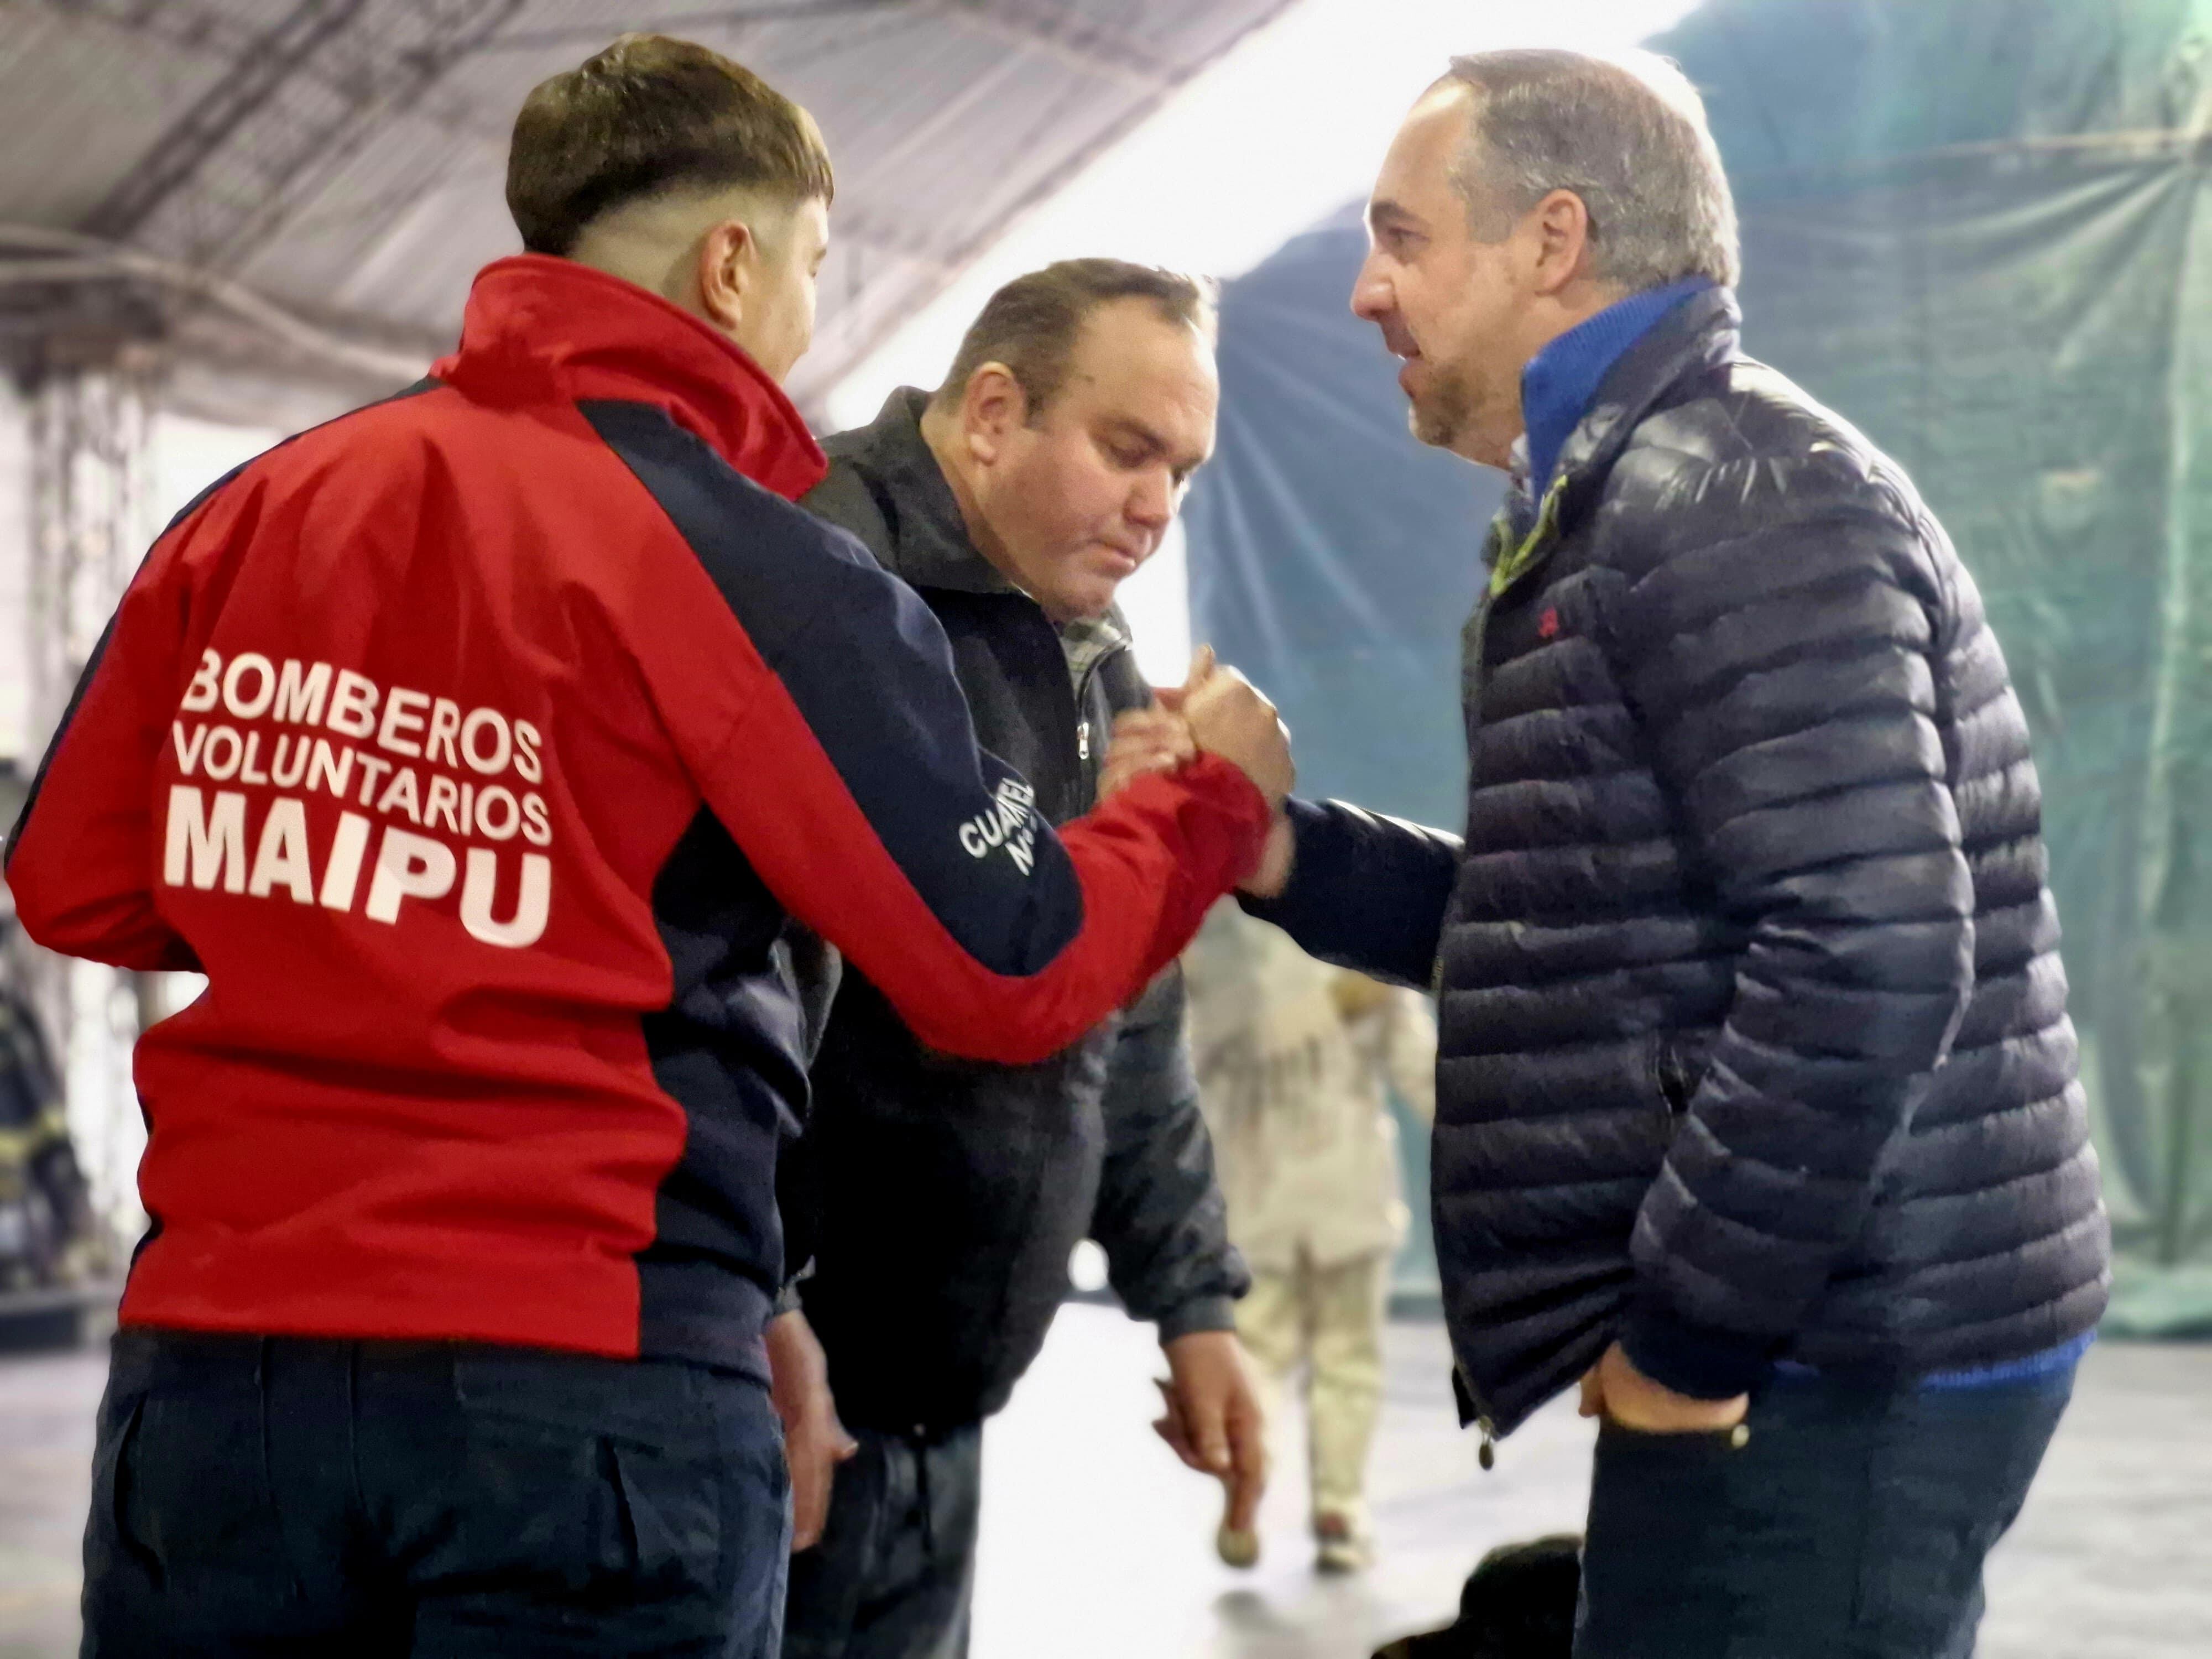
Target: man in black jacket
point(941, 1199)
point(1757, 1108)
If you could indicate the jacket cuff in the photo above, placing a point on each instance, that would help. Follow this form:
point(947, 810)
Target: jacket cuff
point(1200, 1313)
point(786, 1300)
point(1696, 1360)
point(1309, 829)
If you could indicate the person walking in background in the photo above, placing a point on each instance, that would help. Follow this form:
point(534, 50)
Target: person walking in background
point(1294, 1058)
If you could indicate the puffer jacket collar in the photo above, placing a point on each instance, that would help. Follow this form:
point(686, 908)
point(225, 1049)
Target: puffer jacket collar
point(1704, 329)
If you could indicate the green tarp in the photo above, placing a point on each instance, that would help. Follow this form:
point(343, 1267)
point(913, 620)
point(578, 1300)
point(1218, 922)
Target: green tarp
point(1982, 230)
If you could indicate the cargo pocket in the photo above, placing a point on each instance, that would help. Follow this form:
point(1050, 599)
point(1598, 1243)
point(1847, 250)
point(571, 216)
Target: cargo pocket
point(191, 1490)
point(108, 1539)
point(672, 1518)
point(534, 1504)
point(565, 1482)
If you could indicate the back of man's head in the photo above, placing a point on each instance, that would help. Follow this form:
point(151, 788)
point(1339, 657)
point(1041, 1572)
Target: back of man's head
point(1626, 134)
point(651, 116)
point(1032, 325)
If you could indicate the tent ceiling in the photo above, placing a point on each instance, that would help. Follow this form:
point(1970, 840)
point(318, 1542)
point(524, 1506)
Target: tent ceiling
point(344, 158)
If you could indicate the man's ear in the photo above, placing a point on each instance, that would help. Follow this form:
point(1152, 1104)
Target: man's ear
point(728, 267)
point(993, 407)
point(1561, 224)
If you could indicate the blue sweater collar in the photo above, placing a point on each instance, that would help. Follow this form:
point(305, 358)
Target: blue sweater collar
point(1562, 381)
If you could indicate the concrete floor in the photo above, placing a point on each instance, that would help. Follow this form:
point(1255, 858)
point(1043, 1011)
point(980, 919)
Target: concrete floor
point(1099, 1545)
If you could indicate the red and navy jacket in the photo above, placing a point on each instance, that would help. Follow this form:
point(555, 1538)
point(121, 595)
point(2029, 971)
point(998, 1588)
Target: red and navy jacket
point(477, 747)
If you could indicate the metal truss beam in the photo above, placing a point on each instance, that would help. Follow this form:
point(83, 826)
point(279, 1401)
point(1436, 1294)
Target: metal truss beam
point(292, 109)
point(1079, 45)
point(182, 153)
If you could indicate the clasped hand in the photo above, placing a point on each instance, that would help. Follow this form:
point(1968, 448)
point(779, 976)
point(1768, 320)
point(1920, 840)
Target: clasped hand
point(1216, 710)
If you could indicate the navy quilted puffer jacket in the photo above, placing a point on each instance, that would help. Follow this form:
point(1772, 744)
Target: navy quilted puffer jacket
point(1754, 1033)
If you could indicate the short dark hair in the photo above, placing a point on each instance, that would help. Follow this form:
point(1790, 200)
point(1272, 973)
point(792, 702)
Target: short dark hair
point(646, 115)
point(1032, 324)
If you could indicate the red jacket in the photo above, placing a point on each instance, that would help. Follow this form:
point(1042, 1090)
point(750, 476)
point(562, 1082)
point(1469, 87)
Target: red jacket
point(476, 747)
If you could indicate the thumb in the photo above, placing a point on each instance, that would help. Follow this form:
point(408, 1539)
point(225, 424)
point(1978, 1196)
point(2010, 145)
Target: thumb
point(1593, 1400)
point(1201, 669)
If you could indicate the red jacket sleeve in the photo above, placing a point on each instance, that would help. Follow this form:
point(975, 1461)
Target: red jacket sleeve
point(813, 699)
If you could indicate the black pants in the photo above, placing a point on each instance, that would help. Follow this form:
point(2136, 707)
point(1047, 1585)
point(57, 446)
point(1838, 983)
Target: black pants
point(1851, 1525)
point(364, 1500)
point(895, 1573)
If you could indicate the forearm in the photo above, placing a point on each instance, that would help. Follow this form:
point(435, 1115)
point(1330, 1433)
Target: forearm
point(1160, 1217)
point(1364, 892)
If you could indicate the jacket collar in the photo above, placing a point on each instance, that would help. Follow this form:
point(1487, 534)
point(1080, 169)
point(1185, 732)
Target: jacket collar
point(1696, 334)
point(1699, 333)
point(537, 326)
point(1561, 381)
point(929, 542)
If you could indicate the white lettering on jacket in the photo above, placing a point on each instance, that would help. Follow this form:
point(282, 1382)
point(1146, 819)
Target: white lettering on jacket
point(1011, 824)
point(270, 835)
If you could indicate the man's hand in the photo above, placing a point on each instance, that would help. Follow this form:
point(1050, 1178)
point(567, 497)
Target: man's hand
point(1213, 1420)
point(1615, 1391)
point(814, 1442)
point(1144, 740)
point(1229, 717)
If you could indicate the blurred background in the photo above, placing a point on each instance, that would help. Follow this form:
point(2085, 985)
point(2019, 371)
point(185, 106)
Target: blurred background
point(1980, 229)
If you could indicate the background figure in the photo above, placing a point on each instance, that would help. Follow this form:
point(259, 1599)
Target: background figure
point(49, 1236)
point(1292, 1055)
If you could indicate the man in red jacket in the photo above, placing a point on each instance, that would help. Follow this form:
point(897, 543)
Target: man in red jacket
point(478, 747)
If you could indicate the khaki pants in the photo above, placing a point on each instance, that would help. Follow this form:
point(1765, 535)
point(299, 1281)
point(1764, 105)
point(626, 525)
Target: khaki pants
point(1331, 1318)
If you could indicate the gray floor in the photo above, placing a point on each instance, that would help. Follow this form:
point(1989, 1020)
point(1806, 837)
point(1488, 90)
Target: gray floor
point(1099, 1545)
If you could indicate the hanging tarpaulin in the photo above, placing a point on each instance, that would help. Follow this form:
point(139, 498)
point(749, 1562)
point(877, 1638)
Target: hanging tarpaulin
point(1982, 231)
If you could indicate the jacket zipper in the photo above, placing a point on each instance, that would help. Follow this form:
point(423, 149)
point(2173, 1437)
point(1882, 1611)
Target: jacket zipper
point(1507, 566)
point(1083, 723)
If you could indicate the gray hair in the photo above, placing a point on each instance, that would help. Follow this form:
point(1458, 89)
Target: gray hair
point(1626, 134)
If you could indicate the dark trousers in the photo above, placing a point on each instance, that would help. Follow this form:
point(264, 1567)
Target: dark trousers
point(1852, 1523)
point(364, 1500)
point(895, 1573)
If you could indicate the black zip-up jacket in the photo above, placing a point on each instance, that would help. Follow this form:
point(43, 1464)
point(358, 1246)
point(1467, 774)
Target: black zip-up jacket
point(1754, 1042)
point(941, 1199)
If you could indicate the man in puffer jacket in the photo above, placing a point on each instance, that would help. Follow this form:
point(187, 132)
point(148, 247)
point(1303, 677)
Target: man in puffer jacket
point(1757, 1103)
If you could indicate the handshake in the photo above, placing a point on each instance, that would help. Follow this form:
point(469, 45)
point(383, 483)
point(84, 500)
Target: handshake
point(1219, 711)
